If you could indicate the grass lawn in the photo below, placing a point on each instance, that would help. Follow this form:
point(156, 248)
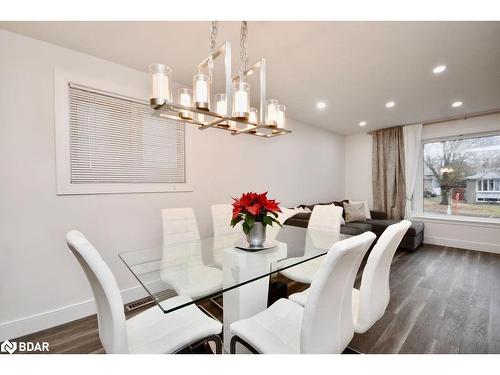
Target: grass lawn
point(431, 205)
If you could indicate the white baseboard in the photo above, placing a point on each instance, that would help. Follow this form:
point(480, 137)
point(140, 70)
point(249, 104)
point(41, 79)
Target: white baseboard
point(48, 319)
point(463, 244)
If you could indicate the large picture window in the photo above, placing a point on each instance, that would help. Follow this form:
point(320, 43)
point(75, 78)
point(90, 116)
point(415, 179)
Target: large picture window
point(461, 177)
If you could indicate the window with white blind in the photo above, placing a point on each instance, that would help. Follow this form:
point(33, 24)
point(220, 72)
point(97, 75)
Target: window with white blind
point(114, 144)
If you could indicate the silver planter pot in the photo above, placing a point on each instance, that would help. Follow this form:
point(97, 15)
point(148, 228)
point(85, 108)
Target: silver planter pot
point(257, 235)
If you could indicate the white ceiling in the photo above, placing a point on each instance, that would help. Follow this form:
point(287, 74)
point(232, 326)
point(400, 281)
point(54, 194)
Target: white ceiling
point(355, 67)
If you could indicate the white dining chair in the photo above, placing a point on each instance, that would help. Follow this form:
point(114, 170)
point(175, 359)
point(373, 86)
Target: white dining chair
point(224, 235)
point(324, 218)
point(324, 324)
point(221, 220)
point(151, 331)
point(370, 301)
point(179, 225)
point(181, 238)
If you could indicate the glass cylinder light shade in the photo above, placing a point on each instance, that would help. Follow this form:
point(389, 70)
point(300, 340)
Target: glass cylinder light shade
point(160, 79)
point(241, 100)
point(201, 90)
point(221, 106)
point(281, 116)
point(271, 107)
point(253, 116)
point(185, 99)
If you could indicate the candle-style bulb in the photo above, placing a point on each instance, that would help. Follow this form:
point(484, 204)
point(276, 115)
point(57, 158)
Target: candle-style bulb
point(185, 99)
point(253, 116)
point(201, 91)
point(241, 100)
point(160, 78)
point(281, 116)
point(271, 112)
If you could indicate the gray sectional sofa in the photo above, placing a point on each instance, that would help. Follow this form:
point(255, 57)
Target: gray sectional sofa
point(377, 224)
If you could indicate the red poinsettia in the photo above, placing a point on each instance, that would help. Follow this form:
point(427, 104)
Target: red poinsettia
point(253, 207)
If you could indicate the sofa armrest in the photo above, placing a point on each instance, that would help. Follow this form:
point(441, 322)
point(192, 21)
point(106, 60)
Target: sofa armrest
point(378, 215)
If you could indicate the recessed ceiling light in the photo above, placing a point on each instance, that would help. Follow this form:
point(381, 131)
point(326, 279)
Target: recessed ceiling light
point(457, 104)
point(321, 105)
point(390, 104)
point(439, 69)
point(362, 123)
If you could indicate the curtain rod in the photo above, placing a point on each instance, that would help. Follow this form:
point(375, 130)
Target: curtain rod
point(451, 118)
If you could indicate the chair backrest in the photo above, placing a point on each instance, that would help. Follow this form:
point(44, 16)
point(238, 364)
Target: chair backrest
point(374, 292)
point(327, 325)
point(179, 225)
point(221, 220)
point(326, 218)
point(110, 314)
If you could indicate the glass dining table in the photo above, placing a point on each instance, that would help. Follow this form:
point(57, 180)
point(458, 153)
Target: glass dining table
point(213, 266)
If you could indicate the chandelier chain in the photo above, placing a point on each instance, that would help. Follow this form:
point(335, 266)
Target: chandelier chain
point(214, 25)
point(243, 49)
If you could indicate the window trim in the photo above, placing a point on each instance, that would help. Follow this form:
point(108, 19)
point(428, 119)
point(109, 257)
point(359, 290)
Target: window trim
point(418, 199)
point(62, 77)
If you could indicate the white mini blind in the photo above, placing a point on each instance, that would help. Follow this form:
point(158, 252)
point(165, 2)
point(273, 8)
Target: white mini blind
point(114, 139)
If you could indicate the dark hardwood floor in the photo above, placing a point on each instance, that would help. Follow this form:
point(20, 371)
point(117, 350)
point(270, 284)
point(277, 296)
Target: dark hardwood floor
point(443, 300)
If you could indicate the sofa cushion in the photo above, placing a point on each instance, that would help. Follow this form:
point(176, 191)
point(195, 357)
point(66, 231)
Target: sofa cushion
point(378, 215)
point(351, 231)
point(380, 225)
point(311, 206)
point(364, 226)
point(354, 212)
point(354, 229)
point(341, 204)
point(365, 206)
point(296, 222)
point(303, 216)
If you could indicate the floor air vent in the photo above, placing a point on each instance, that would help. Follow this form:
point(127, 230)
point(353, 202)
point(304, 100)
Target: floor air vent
point(160, 296)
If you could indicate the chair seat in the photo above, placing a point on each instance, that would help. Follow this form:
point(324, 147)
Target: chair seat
point(303, 273)
point(275, 330)
point(301, 298)
point(196, 281)
point(153, 332)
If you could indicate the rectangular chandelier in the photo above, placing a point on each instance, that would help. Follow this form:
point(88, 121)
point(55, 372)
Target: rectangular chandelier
point(231, 110)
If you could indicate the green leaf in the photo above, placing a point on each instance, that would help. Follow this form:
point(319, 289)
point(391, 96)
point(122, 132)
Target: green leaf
point(277, 222)
point(246, 227)
point(250, 219)
point(236, 220)
point(267, 220)
point(274, 213)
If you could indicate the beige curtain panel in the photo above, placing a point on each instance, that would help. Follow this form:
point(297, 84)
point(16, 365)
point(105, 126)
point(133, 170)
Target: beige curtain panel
point(388, 169)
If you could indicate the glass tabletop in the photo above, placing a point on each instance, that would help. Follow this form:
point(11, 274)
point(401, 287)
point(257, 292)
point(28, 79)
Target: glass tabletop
point(208, 267)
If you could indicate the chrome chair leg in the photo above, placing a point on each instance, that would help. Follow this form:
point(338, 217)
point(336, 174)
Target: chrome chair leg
point(235, 339)
point(354, 351)
point(218, 344)
point(213, 338)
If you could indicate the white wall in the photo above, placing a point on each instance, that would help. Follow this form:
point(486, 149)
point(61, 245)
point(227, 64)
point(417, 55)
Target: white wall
point(358, 168)
point(41, 283)
point(479, 236)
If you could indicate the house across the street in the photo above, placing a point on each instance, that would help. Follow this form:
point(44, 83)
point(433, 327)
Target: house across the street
point(483, 187)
